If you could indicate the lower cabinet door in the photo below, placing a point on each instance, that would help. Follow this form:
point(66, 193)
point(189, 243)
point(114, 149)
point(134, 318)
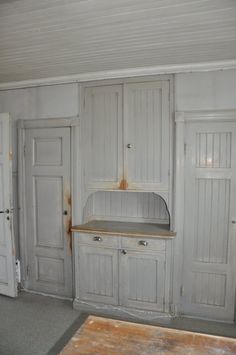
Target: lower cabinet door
point(98, 274)
point(142, 280)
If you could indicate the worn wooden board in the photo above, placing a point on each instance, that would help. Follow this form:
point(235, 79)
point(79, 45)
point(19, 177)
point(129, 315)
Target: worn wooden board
point(104, 336)
point(126, 228)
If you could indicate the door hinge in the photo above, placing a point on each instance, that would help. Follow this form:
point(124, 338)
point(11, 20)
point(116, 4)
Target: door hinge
point(181, 290)
point(185, 148)
point(27, 270)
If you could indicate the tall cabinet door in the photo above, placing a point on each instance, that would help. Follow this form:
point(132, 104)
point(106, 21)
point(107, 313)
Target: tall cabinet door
point(147, 136)
point(102, 138)
point(210, 209)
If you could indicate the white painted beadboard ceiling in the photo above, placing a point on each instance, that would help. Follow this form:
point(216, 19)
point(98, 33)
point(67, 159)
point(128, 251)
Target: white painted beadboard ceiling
point(49, 38)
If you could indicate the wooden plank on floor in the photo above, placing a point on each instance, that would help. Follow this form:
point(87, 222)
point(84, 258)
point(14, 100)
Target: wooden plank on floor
point(112, 337)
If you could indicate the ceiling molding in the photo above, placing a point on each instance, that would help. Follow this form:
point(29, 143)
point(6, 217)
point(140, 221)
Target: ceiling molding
point(124, 73)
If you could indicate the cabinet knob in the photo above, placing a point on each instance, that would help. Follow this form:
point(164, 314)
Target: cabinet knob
point(129, 145)
point(97, 239)
point(124, 252)
point(143, 243)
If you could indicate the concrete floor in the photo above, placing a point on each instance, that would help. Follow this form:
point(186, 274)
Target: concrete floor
point(38, 325)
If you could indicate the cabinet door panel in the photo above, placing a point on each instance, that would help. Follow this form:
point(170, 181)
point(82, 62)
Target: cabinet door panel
point(147, 122)
point(98, 274)
point(102, 136)
point(142, 280)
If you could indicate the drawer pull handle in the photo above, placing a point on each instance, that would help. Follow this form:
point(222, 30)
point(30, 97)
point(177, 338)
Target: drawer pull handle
point(143, 243)
point(97, 239)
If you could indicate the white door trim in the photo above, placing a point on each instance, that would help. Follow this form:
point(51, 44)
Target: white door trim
point(73, 124)
point(181, 117)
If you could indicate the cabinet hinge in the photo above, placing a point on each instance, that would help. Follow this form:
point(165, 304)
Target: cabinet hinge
point(181, 290)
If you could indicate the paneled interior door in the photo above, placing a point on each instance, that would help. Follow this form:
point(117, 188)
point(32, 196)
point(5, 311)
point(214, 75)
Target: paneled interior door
point(7, 254)
point(48, 210)
point(210, 217)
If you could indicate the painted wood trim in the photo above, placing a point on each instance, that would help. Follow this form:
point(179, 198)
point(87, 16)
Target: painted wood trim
point(209, 115)
point(49, 122)
point(131, 72)
point(179, 212)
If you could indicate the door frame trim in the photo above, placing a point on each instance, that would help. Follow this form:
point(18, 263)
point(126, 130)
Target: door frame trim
point(73, 123)
point(181, 118)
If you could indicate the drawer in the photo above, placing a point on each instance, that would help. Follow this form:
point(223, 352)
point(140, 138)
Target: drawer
point(147, 244)
point(97, 239)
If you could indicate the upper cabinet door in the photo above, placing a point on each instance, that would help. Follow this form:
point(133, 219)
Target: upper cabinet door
point(102, 139)
point(147, 135)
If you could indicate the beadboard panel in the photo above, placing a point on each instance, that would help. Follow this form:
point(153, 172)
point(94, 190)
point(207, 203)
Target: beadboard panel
point(209, 289)
point(101, 136)
point(146, 129)
point(126, 206)
point(53, 38)
point(211, 220)
point(213, 150)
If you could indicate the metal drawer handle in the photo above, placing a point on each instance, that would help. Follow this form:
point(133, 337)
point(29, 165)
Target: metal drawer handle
point(143, 243)
point(97, 239)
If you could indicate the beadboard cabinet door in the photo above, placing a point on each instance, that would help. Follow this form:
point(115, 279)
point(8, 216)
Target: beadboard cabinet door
point(147, 135)
point(142, 280)
point(98, 274)
point(126, 136)
point(102, 136)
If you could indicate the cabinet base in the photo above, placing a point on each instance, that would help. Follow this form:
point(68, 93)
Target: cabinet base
point(124, 312)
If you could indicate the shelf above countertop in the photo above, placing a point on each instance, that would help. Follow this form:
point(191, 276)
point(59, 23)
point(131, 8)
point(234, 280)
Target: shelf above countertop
point(131, 229)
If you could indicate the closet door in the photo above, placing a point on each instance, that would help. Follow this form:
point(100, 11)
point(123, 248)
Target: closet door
point(102, 137)
point(147, 135)
point(210, 217)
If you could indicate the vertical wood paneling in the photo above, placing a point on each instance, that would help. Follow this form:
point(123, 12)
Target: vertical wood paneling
point(142, 280)
point(211, 220)
point(213, 150)
point(101, 138)
point(146, 129)
point(98, 274)
point(209, 289)
point(126, 205)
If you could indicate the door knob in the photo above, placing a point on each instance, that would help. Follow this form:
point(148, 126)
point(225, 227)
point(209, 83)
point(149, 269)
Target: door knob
point(129, 145)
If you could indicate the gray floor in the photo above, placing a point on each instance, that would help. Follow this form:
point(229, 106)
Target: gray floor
point(38, 325)
point(35, 325)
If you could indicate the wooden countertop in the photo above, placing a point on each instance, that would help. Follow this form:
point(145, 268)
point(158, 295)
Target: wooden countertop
point(102, 336)
point(130, 229)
